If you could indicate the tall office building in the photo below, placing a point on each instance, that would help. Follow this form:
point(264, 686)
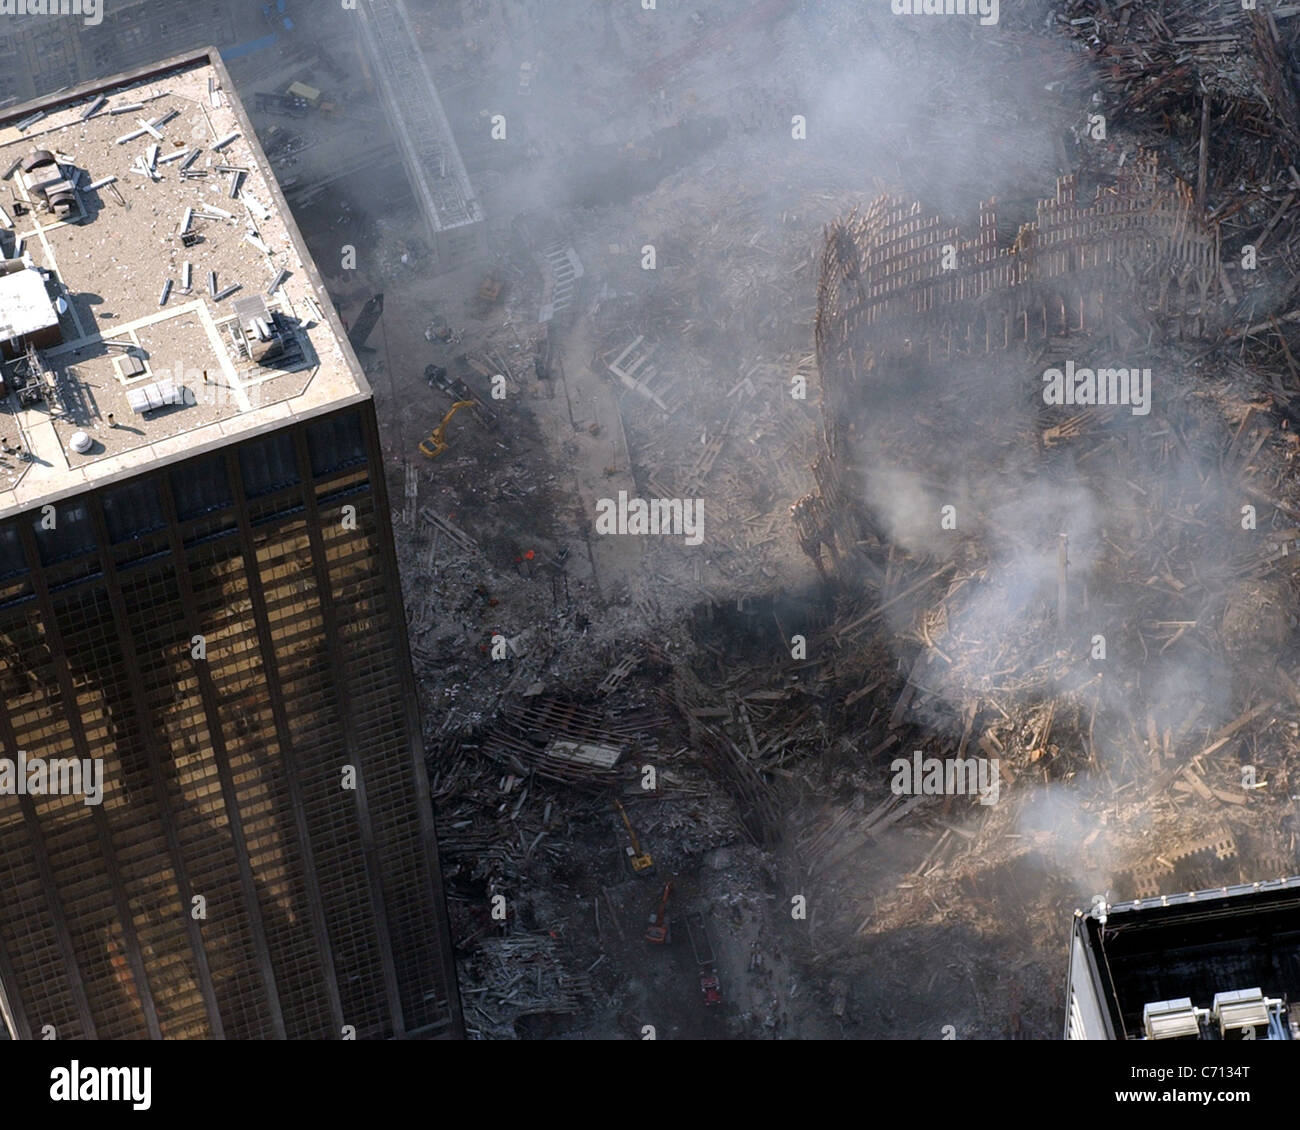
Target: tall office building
point(214, 817)
point(43, 51)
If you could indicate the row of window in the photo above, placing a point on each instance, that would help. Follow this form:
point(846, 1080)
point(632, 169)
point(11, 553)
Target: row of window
point(201, 486)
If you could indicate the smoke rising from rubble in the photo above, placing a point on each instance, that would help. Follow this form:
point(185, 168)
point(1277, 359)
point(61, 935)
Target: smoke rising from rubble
point(1009, 515)
point(893, 113)
point(1012, 498)
point(1056, 822)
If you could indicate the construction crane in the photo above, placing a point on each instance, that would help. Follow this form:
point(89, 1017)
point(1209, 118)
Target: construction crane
point(640, 860)
point(659, 932)
point(436, 444)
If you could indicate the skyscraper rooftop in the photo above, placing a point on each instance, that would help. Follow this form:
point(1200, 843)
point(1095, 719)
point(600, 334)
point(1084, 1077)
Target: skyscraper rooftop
point(152, 159)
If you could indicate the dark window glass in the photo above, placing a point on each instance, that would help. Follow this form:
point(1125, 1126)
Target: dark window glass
point(268, 465)
point(277, 516)
point(335, 443)
point(133, 510)
point(70, 533)
point(12, 559)
point(200, 487)
point(346, 492)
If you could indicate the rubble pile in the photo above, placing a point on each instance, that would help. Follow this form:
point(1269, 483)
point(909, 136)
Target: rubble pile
point(1134, 684)
point(1108, 615)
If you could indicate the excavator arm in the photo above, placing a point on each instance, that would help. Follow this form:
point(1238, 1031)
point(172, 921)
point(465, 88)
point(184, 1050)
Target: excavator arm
point(658, 931)
point(436, 444)
point(640, 860)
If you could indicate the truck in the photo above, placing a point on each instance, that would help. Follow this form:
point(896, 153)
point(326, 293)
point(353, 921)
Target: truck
point(281, 104)
point(703, 950)
point(308, 94)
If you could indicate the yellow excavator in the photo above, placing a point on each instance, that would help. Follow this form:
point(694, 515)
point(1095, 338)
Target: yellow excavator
point(436, 444)
point(637, 858)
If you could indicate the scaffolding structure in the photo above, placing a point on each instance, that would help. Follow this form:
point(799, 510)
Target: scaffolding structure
point(900, 293)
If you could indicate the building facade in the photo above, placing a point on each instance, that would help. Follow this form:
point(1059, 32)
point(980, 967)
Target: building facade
point(214, 814)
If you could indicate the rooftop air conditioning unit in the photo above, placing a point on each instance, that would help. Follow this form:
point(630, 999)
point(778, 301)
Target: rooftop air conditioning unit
point(151, 397)
point(1242, 1014)
point(1171, 1020)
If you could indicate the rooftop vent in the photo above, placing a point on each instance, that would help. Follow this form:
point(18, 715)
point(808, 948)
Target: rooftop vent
point(39, 159)
point(61, 196)
point(45, 179)
point(262, 336)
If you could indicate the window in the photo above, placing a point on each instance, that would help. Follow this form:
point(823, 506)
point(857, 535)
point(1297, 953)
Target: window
point(268, 465)
point(62, 532)
point(336, 443)
point(133, 510)
point(200, 487)
point(12, 559)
